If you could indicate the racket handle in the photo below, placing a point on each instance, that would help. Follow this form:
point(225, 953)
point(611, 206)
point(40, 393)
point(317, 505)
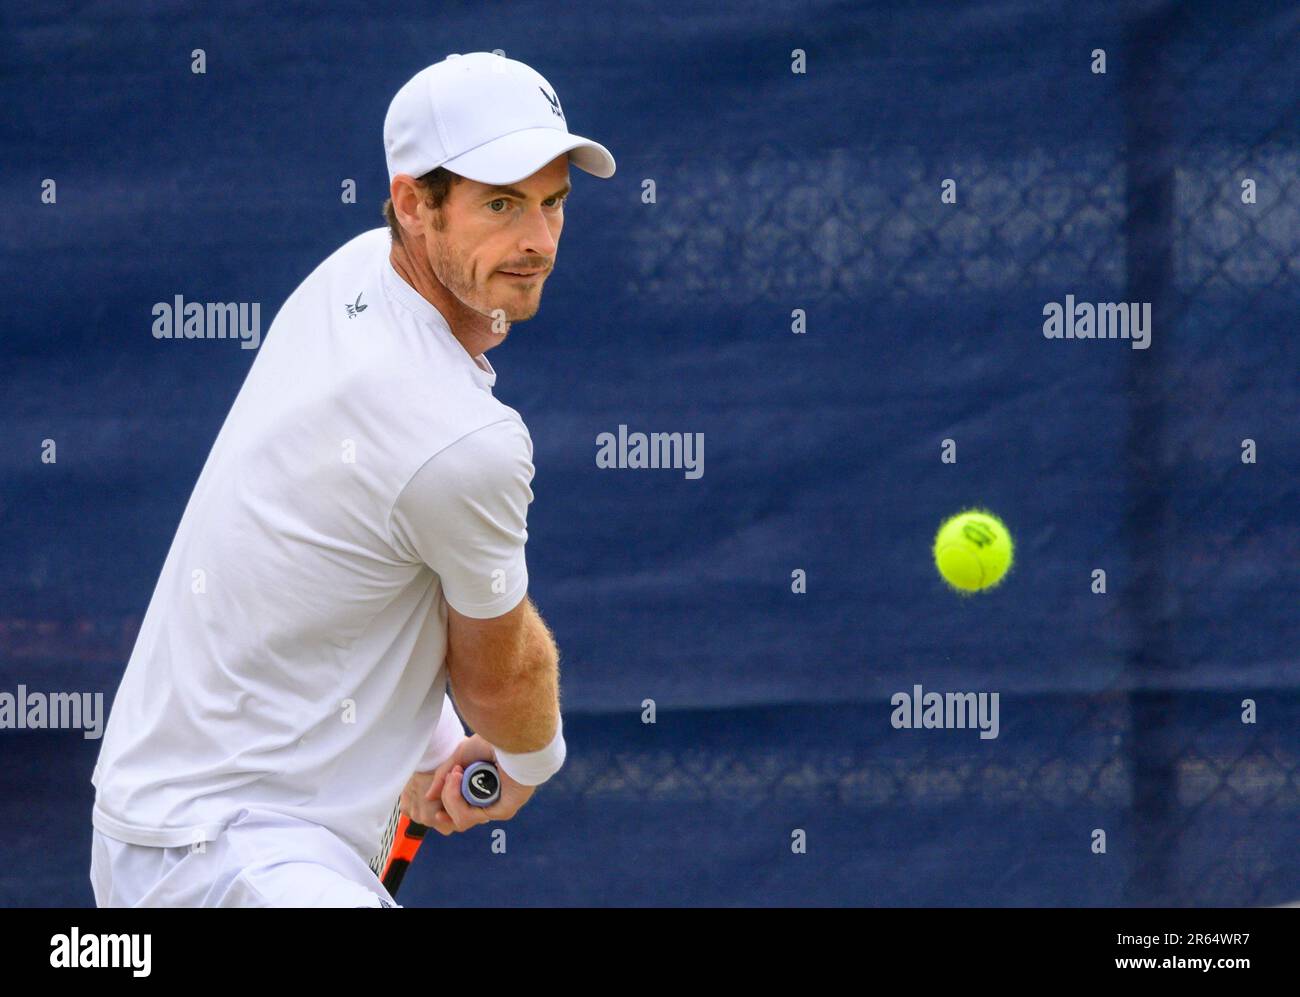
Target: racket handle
point(406, 842)
point(480, 786)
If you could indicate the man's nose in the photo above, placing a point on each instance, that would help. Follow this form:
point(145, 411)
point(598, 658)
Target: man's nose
point(537, 237)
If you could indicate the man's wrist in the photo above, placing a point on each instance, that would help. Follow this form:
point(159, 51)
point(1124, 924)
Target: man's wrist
point(532, 768)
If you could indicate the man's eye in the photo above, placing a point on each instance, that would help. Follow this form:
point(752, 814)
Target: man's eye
point(499, 200)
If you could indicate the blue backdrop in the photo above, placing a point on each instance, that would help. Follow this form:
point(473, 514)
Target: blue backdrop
point(774, 191)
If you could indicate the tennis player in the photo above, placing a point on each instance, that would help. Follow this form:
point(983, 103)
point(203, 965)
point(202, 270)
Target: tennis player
point(355, 542)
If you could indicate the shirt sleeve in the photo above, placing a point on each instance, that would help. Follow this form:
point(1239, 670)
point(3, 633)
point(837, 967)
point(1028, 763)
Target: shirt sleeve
point(465, 513)
point(445, 740)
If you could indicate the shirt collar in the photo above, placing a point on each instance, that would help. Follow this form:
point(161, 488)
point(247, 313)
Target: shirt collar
point(424, 310)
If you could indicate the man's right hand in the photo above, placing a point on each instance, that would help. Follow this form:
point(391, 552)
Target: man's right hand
point(456, 814)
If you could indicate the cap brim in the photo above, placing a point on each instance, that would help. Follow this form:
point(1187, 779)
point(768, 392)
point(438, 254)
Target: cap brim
point(520, 154)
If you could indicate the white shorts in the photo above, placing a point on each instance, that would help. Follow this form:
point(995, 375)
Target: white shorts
point(261, 859)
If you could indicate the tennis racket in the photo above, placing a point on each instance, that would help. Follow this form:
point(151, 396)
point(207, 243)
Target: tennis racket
point(480, 785)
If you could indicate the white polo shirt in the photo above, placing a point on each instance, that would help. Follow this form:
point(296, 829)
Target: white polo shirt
point(292, 655)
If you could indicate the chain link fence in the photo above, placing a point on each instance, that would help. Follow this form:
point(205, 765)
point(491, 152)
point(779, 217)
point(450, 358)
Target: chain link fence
point(822, 193)
point(1184, 748)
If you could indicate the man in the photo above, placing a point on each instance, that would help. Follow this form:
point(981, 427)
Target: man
point(355, 541)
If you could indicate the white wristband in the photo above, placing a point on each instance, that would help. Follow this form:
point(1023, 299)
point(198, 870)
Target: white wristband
point(532, 768)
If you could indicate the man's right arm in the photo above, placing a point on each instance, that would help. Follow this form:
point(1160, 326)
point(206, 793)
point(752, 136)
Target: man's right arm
point(464, 514)
point(504, 676)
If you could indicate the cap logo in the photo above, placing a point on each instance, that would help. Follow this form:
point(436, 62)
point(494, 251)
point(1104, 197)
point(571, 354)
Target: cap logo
point(554, 102)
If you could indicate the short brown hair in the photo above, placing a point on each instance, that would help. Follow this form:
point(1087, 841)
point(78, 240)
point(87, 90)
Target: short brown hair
point(436, 184)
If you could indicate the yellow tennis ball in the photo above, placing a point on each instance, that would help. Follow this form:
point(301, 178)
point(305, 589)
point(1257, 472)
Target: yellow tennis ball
point(973, 550)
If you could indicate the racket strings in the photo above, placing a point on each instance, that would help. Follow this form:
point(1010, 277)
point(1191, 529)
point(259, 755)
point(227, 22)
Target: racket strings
point(380, 861)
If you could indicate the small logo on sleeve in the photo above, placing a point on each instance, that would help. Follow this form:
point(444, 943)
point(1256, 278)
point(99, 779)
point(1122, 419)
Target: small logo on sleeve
point(357, 308)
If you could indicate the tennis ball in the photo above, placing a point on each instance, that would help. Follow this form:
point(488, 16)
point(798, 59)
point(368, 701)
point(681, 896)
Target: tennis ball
point(973, 550)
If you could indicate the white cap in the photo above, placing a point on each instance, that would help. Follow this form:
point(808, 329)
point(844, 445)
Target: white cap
point(484, 117)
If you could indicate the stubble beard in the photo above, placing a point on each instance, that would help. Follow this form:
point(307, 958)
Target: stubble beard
point(454, 273)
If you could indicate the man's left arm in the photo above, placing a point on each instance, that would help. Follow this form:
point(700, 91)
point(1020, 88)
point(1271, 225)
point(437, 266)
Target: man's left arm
point(446, 738)
point(439, 755)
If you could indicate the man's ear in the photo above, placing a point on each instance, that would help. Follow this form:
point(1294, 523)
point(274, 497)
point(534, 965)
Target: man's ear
point(406, 197)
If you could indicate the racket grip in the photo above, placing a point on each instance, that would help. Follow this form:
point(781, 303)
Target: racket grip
point(480, 785)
